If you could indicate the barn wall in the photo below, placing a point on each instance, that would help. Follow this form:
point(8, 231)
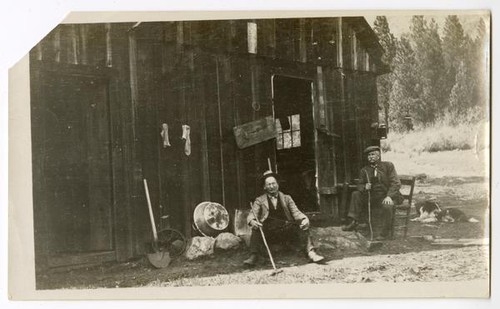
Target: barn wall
point(201, 74)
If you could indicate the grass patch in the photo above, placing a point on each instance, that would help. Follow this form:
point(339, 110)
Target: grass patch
point(440, 137)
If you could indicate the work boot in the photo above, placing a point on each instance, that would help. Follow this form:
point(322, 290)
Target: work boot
point(350, 227)
point(314, 257)
point(252, 260)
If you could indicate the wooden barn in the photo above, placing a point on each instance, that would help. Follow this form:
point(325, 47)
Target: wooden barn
point(196, 108)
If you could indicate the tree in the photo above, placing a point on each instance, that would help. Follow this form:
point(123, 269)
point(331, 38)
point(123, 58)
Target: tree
point(461, 97)
point(480, 53)
point(404, 98)
point(454, 49)
point(385, 82)
point(429, 61)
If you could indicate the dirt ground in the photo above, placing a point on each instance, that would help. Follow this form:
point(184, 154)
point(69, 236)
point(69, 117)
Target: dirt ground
point(412, 259)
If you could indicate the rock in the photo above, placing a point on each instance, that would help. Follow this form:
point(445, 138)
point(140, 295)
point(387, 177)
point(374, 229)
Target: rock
point(200, 246)
point(335, 238)
point(226, 241)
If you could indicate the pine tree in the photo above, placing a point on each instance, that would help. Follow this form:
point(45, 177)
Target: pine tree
point(461, 97)
point(429, 61)
point(404, 98)
point(480, 52)
point(385, 82)
point(454, 49)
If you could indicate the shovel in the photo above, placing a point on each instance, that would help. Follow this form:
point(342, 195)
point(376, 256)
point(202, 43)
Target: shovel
point(159, 258)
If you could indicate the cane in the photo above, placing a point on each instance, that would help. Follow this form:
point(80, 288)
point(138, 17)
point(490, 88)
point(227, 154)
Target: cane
point(372, 244)
point(275, 270)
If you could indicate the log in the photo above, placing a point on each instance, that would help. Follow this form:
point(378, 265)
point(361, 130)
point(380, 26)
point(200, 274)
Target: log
point(461, 242)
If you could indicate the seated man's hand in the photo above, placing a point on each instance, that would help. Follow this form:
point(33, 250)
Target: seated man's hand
point(368, 186)
point(388, 201)
point(304, 224)
point(255, 225)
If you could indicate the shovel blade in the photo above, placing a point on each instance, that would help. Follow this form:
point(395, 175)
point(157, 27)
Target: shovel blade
point(160, 259)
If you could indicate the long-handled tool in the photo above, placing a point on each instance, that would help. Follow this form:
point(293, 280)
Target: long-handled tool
point(371, 244)
point(160, 258)
point(275, 270)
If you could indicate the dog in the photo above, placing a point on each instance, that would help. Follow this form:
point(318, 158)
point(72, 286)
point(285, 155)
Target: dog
point(455, 215)
point(430, 211)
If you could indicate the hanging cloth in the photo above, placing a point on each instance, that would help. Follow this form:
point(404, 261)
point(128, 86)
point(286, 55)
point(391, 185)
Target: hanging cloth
point(164, 135)
point(185, 135)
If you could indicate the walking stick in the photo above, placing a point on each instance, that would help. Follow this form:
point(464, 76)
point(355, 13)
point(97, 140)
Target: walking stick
point(371, 244)
point(275, 270)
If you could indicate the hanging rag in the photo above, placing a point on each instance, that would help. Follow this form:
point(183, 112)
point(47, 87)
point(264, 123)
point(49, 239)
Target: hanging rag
point(164, 135)
point(185, 135)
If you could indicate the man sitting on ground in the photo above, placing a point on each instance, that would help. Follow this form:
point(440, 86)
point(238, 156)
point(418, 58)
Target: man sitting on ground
point(280, 219)
point(380, 179)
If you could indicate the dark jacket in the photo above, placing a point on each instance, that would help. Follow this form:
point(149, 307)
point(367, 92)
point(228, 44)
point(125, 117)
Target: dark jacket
point(387, 177)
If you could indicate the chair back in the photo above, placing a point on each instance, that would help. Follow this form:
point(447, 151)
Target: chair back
point(407, 187)
point(402, 212)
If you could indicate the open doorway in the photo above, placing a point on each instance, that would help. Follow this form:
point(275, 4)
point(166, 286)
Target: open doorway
point(295, 148)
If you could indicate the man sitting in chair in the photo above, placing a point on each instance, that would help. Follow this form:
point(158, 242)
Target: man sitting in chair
point(380, 181)
point(280, 220)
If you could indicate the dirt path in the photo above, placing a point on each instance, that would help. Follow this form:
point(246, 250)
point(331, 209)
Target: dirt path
point(454, 185)
point(428, 266)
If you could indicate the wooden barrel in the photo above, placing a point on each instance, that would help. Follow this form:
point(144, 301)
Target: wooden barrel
point(210, 218)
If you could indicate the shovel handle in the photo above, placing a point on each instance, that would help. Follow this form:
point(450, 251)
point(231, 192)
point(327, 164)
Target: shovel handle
point(151, 216)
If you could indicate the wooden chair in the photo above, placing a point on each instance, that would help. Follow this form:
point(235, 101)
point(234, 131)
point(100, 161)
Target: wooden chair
point(401, 212)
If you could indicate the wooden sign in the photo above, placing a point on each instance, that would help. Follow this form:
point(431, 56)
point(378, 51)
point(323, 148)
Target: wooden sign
point(255, 132)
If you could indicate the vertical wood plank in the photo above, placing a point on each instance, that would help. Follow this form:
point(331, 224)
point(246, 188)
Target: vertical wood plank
point(221, 138)
point(302, 40)
point(57, 44)
point(340, 43)
point(83, 39)
point(38, 52)
point(40, 200)
point(109, 51)
point(180, 36)
point(340, 61)
point(354, 50)
point(123, 146)
point(74, 51)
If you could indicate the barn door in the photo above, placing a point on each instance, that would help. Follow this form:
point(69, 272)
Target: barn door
point(295, 147)
point(76, 164)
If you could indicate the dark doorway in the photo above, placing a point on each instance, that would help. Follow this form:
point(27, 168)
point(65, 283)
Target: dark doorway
point(295, 148)
point(76, 174)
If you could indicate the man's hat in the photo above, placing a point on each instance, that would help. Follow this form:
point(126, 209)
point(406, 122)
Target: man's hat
point(268, 174)
point(371, 148)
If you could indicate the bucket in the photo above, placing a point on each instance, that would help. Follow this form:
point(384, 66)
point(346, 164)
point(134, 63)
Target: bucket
point(210, 218)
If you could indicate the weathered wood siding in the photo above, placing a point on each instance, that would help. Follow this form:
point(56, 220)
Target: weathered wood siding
point(202, 74)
